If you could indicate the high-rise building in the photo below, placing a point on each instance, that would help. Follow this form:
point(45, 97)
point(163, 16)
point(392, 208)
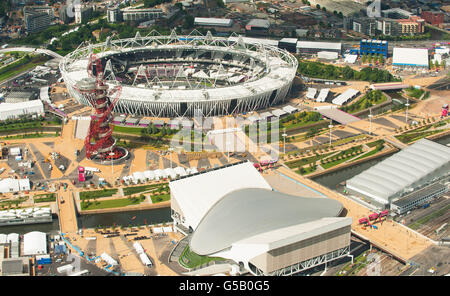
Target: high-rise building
point(82, 12)
point(36, 21)
point(113, 14)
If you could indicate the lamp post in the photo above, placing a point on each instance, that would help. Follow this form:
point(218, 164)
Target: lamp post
point(330, 126)
point(112, 162)
point(170, 149)
point(407, 104)
point(284, 135)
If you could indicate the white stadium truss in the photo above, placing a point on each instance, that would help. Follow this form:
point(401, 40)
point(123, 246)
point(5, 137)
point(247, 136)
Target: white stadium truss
point(264, 74)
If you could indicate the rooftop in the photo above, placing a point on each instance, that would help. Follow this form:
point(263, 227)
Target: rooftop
point(244, 213)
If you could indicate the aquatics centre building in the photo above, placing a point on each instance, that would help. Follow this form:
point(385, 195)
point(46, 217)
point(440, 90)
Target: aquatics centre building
point(265, 232)
point(177, 76)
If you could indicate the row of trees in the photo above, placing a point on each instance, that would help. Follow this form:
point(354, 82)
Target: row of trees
point(372, 58)
point(370, 99)
point(324, 71)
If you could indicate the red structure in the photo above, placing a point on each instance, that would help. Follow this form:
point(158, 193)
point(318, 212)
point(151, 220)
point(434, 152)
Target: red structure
point(373, 216)
point(363, 220)
point(99, 143)
point(81, 174)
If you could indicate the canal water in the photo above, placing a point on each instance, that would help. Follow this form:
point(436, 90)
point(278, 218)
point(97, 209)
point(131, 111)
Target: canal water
point(134, 218)
point(331, 180)
point(51, 228)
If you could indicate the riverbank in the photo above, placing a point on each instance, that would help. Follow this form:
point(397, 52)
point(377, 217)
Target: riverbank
point(139, 207)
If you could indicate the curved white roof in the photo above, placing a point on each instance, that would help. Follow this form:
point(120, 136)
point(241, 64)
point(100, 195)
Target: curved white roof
point(399, 171)
point(34, 243)
point(196, 195)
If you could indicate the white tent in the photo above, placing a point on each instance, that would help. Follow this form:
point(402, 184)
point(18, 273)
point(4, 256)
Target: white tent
point(12, 238)
point(180, 171)
point(149, 175)
point(3, 238)
point(108, 259)
point(34, 243)
point(170, 172)
point(139, 176)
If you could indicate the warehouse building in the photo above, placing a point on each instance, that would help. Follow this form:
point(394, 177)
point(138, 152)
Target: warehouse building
point(15, 110)
point(346, 96)
point(213, 22)
point(19, 97)
point(423, 163)
point(302, 233)
point(410, 57)
point(34, 243)
point(313, 47)
point(14, 185)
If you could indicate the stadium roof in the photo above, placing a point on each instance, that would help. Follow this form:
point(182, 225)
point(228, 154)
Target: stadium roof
point(410, 57)
point(399, 171)
point(245, 213)
point(319, 45)
point(197, 194)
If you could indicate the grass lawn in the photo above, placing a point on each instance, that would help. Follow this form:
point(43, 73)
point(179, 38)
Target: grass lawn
point(97, 193)
point(305, 161)
point(375, 143)
point(113, 203)
point(307, 170)
point(414, 92)
point(30, 136)
point(138, 189)
point(346, 155)
point(371, 152)
point(160, 198)
point(191, 260)
point(45, 197)
point(10, 202)
point(128, 130)
point(413, 136)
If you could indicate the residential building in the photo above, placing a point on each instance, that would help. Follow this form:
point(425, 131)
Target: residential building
point(140, 15)
point(82, 12)
point(36, 21)
point(433, 17)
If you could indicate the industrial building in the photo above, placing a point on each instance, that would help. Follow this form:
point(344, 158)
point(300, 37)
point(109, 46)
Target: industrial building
point(257, 27)
point(212, 22)
point(15, 110)
point(302, 233)
point(421, 164)
point(418, 198)
point(346, 96)
point(373, 46)
point(313, 47)
point(410, 57)
point(35, 243)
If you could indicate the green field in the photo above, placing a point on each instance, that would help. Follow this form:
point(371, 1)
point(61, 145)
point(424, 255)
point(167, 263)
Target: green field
point(190, 260)
point(45, 197)
point(307, 160)
point(345, 155)
point(112, 203)
point(160, 198)
point(138, 189)
point(413, 136)
point(370, 99)
point(97, 193)
point(128, 130)
point(20, 66)
point(371, 152)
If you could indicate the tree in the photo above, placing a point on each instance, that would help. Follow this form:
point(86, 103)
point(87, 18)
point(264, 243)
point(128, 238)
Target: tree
point(436, 64)
point(188, 22)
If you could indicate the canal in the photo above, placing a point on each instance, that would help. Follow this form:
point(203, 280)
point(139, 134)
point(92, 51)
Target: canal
point(331, 180)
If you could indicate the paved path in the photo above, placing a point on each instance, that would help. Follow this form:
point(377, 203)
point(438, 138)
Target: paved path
point(67, 212)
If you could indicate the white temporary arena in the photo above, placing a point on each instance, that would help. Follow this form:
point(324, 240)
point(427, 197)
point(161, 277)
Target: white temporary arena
point(172, 76)
point(416, 166)
point(264, 231)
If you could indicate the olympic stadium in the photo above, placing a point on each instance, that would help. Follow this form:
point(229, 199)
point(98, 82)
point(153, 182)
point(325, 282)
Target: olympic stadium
point(180, 76)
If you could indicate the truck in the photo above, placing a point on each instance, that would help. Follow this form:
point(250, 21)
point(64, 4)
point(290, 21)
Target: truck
point(426, 205)
point(373, 216)
point(384, 213)
point(363, 220)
